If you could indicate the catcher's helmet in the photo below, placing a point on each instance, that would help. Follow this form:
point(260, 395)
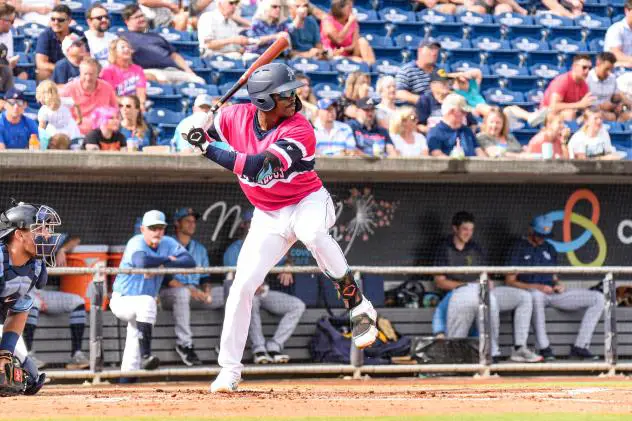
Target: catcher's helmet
point(271, 79)
point(40, 220)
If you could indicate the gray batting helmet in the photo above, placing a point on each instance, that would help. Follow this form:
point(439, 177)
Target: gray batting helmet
point(271, 79)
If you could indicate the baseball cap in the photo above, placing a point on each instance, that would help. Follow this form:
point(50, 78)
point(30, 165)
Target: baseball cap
point(14, 94)
point(451, 102)
point(429, 42)
point(69, 41)
point(154, 217)
point(367, 103)
point(183, 212)
point(325, 103)
point(542, 225)
point(203, 99)
point(439, 76)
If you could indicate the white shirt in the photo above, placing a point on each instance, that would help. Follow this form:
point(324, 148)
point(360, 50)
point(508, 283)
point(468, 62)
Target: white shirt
point(336, 141)
point(33, 17)
point(624, 83)
point(59, 121)
point(100, 46)
point(602, 89)
point(410, 149)
point(7, 39)
point(619, 35)
point(591, 146)
point(214, 26)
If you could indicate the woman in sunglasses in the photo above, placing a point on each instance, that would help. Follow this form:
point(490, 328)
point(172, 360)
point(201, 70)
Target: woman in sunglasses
point(403, 130)
point(268, 24)
point(133, 125)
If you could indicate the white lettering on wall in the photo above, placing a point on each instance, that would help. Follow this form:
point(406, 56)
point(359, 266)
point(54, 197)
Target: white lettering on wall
point(623, 237)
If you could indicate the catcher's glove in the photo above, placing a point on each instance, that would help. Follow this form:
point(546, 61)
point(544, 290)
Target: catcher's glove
point(12, 376)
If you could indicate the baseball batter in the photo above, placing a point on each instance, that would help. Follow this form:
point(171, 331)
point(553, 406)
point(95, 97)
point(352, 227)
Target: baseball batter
point(270, 146)
point(134, 295)
point(27, 242)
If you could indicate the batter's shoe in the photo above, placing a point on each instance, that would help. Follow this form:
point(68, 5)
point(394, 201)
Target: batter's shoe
point(525, 355)
point(363, 319)
point(226, 382)
point(150, 362)
point(578, 353)
point(188, 355)
point(261, 358)
point(279, 358)
point(34, 386)
point(78, 361)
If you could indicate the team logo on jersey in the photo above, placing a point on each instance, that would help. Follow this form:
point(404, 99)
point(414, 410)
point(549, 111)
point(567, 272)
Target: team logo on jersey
point(276, 175)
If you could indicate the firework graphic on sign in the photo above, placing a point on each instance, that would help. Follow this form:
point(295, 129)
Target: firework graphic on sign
point(359, 215)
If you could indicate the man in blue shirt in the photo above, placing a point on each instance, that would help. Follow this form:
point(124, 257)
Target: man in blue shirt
point(451, 136)
point(67, 69)
point(333, 138)
point(181, 293)
point(304, 31)
point(15, 128)
point(48, 48)
point(134, 295)
point(547, 290)
point(370, 138)
point(279, 303)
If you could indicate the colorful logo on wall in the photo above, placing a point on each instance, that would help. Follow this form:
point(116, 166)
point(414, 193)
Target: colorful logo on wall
point(568, 217)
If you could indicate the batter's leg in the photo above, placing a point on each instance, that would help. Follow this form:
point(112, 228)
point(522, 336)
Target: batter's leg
point(576, 299)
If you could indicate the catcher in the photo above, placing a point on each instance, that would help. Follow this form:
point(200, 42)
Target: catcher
point(27, 245)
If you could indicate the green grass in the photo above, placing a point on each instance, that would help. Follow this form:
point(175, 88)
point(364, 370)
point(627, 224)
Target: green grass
point(455, 417)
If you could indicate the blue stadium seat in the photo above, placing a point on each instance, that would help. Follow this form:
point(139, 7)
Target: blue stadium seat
point(224, 63)
point(27, 87)
point(507, 70)
point(513, 19)
point(240, 96)
point(452, 43)
point(613, 126)
point(199, 67)
point(596, 45)
point(490, 44)
point(463, 66)
point(397, 4)
point(431, 17)
point(593, 22)
point(375, 27)
point(568, 46)
point(327, 90)
point(595, 33)
point(384, 47)
point(33, 30)
point(31, 113)
point(596, 9)
point(471, 18)
point(450, 29)
point(491, 30)
point(191, 90)
point(459, 54)
point(349, 66)
point(529, 44)
point(502, 96)
point(536, 32)
point(551, 58)
point(524, 135)
point(365, 14)
point(19, 44)
point(550, 20)
point(378, 41)
point(164, 97)
point(27, 62)
point(503, 56)
point(394, 15)
point(165, 120)
point(310, 65)
point(545, 71)
point(569, 32)
point(386, 67)
point(522, 83)
point(534, 95)
point(407, 41)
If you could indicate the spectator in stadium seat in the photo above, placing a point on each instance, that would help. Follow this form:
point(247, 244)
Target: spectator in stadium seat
point(6, 73)
point(133, 126)
point(403, 131)
point(98, 37)
point(495, 139)
point(164, 13)
point(67, 69)
point(88, 93)
point(429, 105)
point(547, 290)
point(55, 115)
point(153, 53)
point(220, 33)
point(413, 79)
point(48, 48)
point(201, 106)
point(370, 138)
point(618, 39)
point(304, 31)
point(496, 7)
point(333, 138)
point(16, 128)
point(267, 25)
point(7, 19)
point(451, 136)
point(289, 307)
point(385, 88)
point(181, 293)
point(357, 85)
point(567, 8)
point(602, 83)
point(568, 94)
point(553, 132)
point(340, 34)
point(59, 142)
point(106, 135)
point(592, 140)
point(307, 97)
point(122, 74)
point(448, 7)
point(36, 11)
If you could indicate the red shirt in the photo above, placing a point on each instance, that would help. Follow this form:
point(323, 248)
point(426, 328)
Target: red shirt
point(569, 90)
point(293, 142)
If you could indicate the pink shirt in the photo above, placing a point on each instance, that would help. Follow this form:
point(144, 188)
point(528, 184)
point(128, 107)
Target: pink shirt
point(564, 85)
point(293, 142)
point(327, 42)
point(535, 145)
point(124, 81)
point(102, 96)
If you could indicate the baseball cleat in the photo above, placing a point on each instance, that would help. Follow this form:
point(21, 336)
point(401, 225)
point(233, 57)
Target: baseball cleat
point(261, 358)
point(578, 353)
point(525, 355)
point(226, 382)
point(78, 361)
point(363, 319)
point(188, 355)
point(34, 386)
point(150, 362)
point(279, 358)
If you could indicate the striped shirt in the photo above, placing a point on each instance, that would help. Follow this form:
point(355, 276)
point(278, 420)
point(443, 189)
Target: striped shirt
point(334, 142)
point(412, 79)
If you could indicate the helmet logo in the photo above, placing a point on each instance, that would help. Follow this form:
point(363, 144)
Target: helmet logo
point(290, 73)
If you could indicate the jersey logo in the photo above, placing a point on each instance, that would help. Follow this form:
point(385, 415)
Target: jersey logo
point(276, 175)
point(527, 257)
point(546, 255)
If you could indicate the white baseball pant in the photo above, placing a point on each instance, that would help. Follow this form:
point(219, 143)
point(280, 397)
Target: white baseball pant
point(271, 235)
point(20, 351)
point(132, 309)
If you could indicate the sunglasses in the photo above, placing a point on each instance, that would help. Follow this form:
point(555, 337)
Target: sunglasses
point(59, 20)
point(586, 67)
point(101, 18)
point(275, 6)
point(287, 94)
point(14, 102)
point(130, 106)
point(233, 3)
point(156, 228)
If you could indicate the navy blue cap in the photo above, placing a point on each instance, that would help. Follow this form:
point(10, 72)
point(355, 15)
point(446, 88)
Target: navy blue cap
point(325, 103)
point(14, 94)
point(184, 212)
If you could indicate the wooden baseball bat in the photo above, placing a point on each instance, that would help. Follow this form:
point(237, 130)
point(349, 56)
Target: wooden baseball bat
point(268, 55)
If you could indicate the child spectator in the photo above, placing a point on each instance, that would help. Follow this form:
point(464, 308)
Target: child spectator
point(124, 76)
point(403, 130)
point(54, 116)
point(106, 135)
point(553, 133)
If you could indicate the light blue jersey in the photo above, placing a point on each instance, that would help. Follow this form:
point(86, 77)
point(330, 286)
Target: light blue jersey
point(139, 255)
point(200, 255)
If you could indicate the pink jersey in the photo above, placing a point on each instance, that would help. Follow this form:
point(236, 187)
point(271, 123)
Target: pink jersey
point(293, 142)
